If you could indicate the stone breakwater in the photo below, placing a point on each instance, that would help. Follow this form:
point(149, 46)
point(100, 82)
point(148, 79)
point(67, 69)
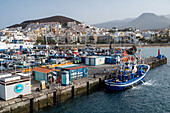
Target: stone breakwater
point(54, 95)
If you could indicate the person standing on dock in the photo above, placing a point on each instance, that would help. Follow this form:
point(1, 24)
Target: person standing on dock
point(108, 71)
point(104, 70)
point(118, 59)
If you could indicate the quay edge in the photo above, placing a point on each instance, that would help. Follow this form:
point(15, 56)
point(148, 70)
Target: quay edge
point(46, 97)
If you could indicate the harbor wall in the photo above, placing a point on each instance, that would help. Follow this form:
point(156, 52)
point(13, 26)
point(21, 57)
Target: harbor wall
point(52, 96)
point(157, 62)
point(39, 100)
point(114, 45)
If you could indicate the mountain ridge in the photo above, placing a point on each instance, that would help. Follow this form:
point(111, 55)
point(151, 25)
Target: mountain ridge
point(143, 22)
point(61, 19)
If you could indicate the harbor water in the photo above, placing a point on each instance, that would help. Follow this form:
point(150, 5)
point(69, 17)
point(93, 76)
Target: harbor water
point(151, 96)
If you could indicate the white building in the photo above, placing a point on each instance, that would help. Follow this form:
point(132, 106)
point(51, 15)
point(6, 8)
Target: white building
point(10, 89)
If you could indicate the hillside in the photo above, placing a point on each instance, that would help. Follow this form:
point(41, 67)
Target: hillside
point(61, 19)
point(114, 23)
point(167, 16)
point(149, 21)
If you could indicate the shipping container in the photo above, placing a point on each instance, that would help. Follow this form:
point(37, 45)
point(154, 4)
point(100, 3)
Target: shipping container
point(83, 59)
point(66, 66)
point(14, 86)
point(76, 72)
point(109, 60)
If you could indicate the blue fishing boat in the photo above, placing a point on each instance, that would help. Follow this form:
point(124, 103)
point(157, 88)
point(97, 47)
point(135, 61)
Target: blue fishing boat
point(126, 76)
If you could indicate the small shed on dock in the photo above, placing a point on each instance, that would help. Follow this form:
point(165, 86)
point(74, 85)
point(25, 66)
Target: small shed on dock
point(94, 60)
point(47, 74)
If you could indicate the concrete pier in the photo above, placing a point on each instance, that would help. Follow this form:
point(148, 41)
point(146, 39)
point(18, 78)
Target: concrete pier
point(40, 99)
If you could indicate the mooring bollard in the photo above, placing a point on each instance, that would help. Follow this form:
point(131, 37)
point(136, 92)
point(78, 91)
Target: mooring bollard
point(32, 105)
point(105, 77)
point(153, 65)
point(100, 81)
point(72, 91)
point(38, 104)
point(55, 97)
point(88, 87)
point(163, 60)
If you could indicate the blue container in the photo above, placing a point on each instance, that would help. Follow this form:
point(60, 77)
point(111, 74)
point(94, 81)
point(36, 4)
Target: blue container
point(71, 75)
point(83, 59)
point(108, 60)
point(114, 61)
point(66, 66)
point(76, 72)
point(80, 73)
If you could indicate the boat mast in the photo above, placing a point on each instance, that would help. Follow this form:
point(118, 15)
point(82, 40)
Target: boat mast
point(1, 67)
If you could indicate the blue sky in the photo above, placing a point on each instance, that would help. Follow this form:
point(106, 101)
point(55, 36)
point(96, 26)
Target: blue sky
point(88, 11)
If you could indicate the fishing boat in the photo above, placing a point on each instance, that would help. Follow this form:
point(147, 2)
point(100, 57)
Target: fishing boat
point(126, 78)
point(129, 72)
point(127, 75)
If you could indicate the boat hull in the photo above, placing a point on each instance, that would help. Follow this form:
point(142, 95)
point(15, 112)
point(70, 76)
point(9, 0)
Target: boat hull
point(114, 87)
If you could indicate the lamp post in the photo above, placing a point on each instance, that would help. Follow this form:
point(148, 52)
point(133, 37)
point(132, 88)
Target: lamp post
point(46, 44)
point(15, 68)
point(85, 40)
point(29, 69)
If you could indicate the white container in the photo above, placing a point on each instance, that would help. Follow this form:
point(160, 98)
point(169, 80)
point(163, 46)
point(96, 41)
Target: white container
point(5, 75)
point(95, 60)
point(13, 90)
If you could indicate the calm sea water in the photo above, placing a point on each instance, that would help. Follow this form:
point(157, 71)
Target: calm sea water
point(151, 96)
